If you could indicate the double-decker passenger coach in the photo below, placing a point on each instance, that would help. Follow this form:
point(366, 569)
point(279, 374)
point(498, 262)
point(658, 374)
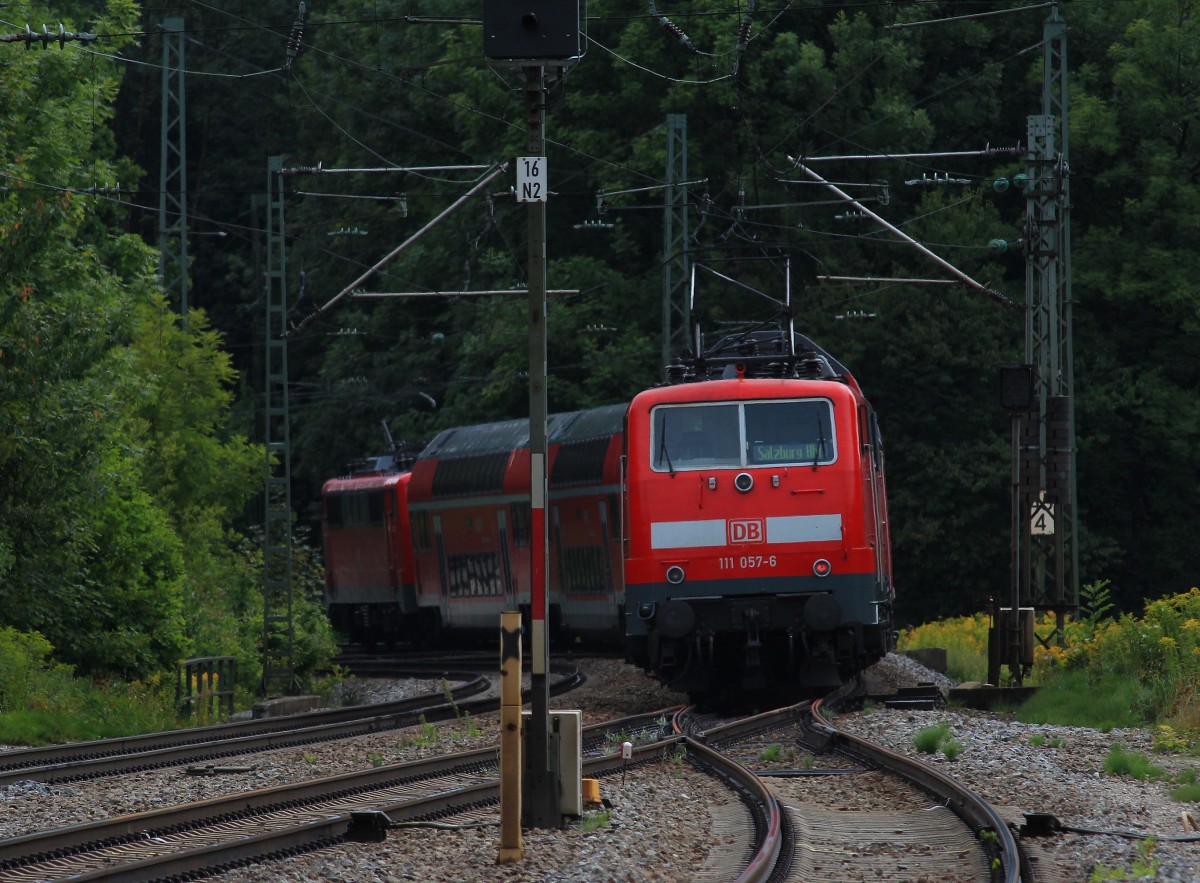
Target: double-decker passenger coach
point(469, 505)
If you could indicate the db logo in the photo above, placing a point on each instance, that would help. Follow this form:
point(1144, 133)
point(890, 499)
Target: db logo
point(746, 530)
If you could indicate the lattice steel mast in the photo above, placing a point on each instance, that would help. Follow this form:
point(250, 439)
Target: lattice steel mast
point(172, 170)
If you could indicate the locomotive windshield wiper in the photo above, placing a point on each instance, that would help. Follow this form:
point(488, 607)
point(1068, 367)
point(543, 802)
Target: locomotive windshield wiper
point(662, 453)
point(820, 443)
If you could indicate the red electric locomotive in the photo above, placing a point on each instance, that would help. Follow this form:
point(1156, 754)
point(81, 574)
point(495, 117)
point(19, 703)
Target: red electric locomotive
point(471, 525)
point(370, 585)
point(756, 549)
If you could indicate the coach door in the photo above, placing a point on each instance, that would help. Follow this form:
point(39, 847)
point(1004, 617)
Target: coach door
point(443, 574)
point(614, 595)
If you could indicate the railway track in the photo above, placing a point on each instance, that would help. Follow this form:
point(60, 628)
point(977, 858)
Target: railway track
point(776, 828)
point(224, 832)
point(202, 745)
point(849, 810)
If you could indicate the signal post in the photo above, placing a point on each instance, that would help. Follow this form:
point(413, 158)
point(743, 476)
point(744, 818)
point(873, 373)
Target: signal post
point(534, 35)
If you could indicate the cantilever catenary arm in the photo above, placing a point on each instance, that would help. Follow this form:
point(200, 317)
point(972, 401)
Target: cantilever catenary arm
point(391, 256)
point(941, 262)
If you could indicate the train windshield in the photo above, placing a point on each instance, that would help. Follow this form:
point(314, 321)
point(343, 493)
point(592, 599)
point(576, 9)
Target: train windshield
point(742, 434)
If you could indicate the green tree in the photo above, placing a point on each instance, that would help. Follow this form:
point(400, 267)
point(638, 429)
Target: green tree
point(120, 483)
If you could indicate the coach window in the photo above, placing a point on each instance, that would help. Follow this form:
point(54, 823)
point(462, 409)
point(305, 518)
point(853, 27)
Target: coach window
point(420, 523)
point(333, 511)
point(790, 432)
point(522, 529)
point(374, 508)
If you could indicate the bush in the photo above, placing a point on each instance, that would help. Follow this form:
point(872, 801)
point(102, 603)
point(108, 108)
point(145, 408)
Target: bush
point(1105, 673)
point(42, 702)
point(23, 657)
point(1160, 650)
point(964, 639)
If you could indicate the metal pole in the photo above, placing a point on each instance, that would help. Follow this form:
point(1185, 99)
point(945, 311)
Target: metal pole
point(541, 797)
point(675, 240)
point(172, 172)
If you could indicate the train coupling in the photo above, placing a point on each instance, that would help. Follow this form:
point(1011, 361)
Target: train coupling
point(752, 677)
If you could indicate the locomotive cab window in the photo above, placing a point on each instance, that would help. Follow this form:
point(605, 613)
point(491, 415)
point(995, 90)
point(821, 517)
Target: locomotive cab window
point(778, 432)
point(790, 433)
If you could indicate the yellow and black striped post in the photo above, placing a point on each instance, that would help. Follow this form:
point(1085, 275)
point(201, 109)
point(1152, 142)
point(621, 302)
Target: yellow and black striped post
point(511, 849)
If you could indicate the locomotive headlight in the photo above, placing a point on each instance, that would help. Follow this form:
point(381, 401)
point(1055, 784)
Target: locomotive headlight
point(821, 567)
point(675, 575)
point(744, 481)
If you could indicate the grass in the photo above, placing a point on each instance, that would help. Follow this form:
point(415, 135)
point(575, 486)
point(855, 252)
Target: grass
point(473, 728)
point(594, 821)
point(1136, 765)
point(1133, 764)
point(1186, 793)
point(929, 739)
point(1073, 699)
point(427, 736)
point(937, 738)
point(772, 753)
point(1144, 866)
point(79, 711)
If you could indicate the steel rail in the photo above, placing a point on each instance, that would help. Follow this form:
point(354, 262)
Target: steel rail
point(312, 834)
point(104, 757)
point(19, 758)
point(334, 829)
point(742, 727)
point(966, 804)
point(770, 832)
point(151, 822)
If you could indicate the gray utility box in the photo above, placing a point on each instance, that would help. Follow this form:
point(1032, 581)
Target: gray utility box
point(566, 744)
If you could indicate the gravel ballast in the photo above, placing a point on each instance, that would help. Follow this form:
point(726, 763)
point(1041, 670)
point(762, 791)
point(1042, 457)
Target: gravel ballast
point(662, 818)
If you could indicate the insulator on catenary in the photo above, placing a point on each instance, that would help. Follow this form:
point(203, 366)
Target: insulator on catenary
point(293, 46)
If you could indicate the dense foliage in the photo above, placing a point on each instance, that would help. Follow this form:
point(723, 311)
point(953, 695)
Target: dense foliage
point(121, 480)
point(1102, 670)
point(120, 483)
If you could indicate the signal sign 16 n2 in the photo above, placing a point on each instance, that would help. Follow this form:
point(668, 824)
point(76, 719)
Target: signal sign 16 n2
point(531, 179)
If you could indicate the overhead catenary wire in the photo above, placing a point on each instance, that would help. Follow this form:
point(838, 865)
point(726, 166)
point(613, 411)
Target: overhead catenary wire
point(333, 56)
